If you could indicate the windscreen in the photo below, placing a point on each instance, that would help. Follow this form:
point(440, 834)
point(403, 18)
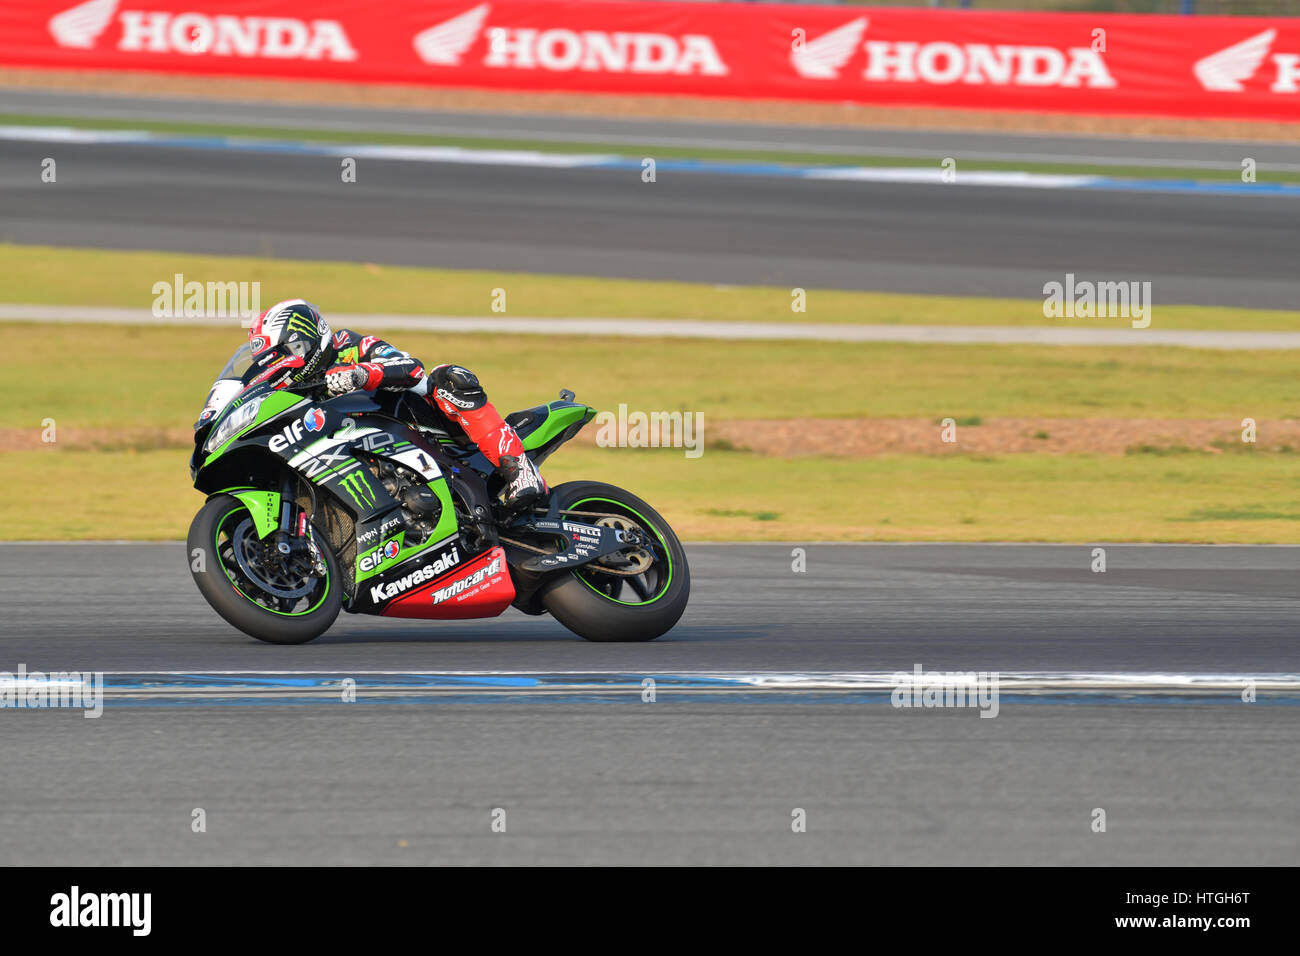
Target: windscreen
point(229, 383)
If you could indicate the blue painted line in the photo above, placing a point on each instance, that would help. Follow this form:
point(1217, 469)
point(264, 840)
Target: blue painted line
point(1193, 186)
point(217, 682)
point(833, 173)
point(857, 698)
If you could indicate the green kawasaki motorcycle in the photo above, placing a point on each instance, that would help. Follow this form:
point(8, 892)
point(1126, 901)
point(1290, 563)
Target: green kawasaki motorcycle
point(375, 503)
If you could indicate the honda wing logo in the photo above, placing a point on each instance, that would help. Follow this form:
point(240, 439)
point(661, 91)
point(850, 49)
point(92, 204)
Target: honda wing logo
point(194, 34)
point(563, 50)
point(941, 62)
point(447, 42)
point(1226, 70)
point(81, 25)
point(823, 58)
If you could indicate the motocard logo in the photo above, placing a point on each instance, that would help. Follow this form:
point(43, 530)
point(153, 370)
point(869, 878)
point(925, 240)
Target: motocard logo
point(1230, 69)
point(563, 50)
point(458, 588)
point(942, 62)
point(192, 34)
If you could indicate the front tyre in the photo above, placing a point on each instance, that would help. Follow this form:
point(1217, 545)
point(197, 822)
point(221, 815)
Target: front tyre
point(274, 597)
point(598, 602)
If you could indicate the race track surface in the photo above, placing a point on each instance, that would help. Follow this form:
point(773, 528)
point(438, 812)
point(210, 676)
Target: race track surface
point(718, 228)
point(1183, 779)
point(133, 607)
point(831, 141)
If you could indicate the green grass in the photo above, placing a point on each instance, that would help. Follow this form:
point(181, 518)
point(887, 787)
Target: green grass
point(136, 378)
point(632, 151)
point(127, 383)
point(52, 276)
point(146, 495)
point(109, 377)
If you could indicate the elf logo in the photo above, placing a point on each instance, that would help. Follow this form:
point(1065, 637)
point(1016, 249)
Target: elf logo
point(289, 435)
point(525, 48)
point(377, 557)
point(192, 34)
point(314, 420)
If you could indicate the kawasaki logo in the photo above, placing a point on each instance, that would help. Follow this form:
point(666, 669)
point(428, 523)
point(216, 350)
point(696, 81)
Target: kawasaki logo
point(192, 34)
point(464, 584)
point(568, 50)
point(382, 592)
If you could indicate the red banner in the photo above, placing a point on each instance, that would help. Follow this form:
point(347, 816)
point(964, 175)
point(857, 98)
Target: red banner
point(1232, 67)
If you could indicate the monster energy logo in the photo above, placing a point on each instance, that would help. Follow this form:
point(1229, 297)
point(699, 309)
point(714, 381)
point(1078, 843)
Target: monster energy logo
point(356, 485)
point(301, 323)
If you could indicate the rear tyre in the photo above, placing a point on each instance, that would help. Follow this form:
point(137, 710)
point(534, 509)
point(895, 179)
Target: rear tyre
point(277, 599)
point(601, 606)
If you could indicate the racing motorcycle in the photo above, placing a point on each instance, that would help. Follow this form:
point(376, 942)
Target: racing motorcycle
point(375, 503)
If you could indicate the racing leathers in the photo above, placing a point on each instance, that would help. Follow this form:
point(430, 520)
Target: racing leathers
point(367, 362)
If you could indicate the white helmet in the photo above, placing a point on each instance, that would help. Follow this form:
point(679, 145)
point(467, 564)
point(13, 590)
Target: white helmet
point(295, 328)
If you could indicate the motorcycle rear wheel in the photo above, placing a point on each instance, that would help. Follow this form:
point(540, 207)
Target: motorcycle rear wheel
point(609, 608)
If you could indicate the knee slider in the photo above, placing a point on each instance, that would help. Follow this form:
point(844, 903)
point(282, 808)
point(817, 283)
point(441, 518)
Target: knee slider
point(459, 386)
point(456, 379)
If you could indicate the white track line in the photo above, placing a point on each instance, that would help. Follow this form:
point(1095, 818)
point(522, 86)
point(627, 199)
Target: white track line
point(693, 681)
point(692, 329)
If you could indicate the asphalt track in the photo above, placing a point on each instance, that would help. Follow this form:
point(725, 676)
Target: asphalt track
point(705, 227)
point(133, 607)
point(830, 141)
point(1183, 780)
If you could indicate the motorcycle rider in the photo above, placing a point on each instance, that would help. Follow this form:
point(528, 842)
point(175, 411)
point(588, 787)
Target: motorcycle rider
point(291, 342)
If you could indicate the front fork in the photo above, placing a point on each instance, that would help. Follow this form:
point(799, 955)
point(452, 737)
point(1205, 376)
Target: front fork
point(295, 529)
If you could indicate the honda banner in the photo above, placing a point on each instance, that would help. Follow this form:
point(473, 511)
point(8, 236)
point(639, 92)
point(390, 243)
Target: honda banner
point(1232, 67)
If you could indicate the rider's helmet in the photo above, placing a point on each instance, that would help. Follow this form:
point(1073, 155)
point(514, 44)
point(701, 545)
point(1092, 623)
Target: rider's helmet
point(288, 342)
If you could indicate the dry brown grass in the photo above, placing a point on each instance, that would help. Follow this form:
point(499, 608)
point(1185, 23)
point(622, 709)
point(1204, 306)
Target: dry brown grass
point(839, 437)
point(785, 112)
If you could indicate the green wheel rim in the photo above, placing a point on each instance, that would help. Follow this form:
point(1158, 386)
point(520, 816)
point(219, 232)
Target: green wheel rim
point(216, 541)
point(668, 555)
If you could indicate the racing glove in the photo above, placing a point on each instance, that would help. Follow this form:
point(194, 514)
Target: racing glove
point(348, 378)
